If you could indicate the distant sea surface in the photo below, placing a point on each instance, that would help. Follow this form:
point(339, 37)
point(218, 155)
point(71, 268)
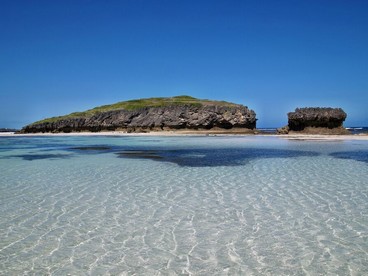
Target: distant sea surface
point(353, 130)
point(358, 130)
point(183, 205)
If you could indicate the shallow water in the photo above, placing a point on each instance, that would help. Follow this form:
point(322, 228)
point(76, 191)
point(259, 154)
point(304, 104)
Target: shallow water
point(183, 205)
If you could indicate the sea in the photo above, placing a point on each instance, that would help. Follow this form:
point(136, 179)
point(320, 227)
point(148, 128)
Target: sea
point(358, 130)
point(353, 130)
point(188, 205)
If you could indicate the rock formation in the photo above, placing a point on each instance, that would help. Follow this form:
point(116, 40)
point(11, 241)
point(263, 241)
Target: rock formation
point(316, 120)
point(192, 115)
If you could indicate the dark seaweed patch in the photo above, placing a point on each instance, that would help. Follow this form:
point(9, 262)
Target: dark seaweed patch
point(212, 157)
point(146, 154)
point(361, 156)
point(31, 157)
point(92, 148)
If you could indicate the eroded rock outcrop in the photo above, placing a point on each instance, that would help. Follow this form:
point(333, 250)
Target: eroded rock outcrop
point(193, 117)
point(316, 120)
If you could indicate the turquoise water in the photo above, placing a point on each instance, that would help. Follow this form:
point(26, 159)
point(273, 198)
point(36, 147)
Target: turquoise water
point(183, 205)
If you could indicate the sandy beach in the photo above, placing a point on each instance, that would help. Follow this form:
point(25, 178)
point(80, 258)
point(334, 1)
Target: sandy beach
point(314, 137)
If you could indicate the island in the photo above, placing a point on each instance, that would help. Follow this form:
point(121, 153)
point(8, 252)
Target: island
point(153, 114)
point(315, 120)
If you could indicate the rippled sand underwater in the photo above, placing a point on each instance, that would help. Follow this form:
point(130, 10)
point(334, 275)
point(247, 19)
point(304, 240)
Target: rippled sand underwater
point(183, 205)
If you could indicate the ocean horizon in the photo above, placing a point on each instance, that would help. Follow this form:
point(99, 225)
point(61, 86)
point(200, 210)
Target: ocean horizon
point(352, 129)
point(192, 205)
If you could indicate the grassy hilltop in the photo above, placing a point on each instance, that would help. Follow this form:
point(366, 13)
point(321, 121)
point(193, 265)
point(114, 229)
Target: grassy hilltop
point(139, 104)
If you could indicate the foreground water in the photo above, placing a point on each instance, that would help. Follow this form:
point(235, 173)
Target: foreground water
point(188, 205)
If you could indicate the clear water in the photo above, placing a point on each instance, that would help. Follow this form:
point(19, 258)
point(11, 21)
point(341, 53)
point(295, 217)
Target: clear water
point(358, 130)
point(188, 205)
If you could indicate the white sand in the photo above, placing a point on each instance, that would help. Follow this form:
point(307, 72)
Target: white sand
point(314, 137)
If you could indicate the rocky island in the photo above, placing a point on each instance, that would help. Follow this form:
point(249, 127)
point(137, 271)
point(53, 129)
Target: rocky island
point(315, 120)
point(153, 114)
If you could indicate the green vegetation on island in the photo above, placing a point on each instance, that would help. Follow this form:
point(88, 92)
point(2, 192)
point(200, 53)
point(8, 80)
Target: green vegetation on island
point(139, 104)
point(152, 114)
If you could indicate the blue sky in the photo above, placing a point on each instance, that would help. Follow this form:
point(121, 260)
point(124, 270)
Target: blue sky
point(57, 57)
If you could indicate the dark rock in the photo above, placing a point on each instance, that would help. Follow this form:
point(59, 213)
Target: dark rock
point(283, 130)
point(317, 120)
point(154, 118)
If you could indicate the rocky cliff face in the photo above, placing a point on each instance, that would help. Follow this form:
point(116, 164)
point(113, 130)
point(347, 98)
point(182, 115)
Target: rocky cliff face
point(315, 120)
point(154, 118)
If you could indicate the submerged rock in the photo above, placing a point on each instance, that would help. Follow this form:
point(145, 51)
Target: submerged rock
point(316, 120)
point(283, 130)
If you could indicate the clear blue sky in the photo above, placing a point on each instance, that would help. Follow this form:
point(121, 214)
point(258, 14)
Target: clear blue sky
point(57, 57)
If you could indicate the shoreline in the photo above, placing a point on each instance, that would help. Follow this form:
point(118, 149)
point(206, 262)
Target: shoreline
point(312, 137)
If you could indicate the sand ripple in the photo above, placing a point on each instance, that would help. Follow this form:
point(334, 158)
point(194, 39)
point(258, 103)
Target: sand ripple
point(98, 214)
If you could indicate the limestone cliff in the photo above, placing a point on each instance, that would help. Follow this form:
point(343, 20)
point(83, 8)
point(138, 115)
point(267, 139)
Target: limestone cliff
point(316, 120)
point(155, 114)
